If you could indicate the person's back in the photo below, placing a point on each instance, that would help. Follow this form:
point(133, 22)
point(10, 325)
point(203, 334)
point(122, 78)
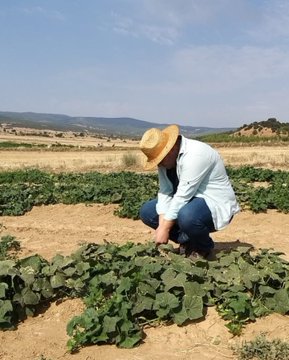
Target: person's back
point(215, 186)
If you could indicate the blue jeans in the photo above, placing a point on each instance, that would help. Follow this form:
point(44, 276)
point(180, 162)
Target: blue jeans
point(193, 225)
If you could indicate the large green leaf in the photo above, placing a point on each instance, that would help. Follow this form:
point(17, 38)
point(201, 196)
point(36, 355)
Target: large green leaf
point(110, 323)
point(164, 303)
point(6, 310)
point(36, 262)
point(193, 304)
point(7, 267)
point(282, 301)
point(125, 285)
point(30, 297)
point(57, 280)
point(141, 304)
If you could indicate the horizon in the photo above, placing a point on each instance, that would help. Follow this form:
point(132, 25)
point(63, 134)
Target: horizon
point(189, 61)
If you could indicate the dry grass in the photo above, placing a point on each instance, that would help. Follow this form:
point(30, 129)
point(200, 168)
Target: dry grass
point(275, 157)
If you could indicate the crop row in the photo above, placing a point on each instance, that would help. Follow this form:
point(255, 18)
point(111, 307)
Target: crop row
point(127, 287)
point(256, 189)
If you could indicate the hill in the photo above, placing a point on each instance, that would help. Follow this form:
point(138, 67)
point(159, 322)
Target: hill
point(269, 128)
point(99, 125)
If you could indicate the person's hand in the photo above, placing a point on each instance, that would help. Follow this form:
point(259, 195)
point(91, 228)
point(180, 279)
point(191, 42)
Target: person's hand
point(162, 235)
point(163, 230)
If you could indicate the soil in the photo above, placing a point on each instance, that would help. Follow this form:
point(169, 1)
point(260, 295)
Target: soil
point(48, 230)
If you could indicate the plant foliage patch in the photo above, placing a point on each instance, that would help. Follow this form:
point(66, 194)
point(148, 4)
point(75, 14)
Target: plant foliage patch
point(128, 287)
point(21, 190)
point(262, 348)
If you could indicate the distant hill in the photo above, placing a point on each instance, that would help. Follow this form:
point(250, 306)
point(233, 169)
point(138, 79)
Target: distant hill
point(99, 125)
point(268, 128)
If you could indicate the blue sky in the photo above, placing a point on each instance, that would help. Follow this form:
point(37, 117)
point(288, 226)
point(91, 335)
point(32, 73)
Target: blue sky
point(219, 63)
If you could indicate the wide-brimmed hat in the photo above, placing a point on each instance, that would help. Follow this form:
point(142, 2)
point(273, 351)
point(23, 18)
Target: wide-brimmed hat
point(157, 143)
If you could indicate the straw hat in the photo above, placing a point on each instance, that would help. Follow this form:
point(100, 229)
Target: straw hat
point(156, 144)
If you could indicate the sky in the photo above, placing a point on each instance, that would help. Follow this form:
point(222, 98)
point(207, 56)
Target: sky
point(216, 63)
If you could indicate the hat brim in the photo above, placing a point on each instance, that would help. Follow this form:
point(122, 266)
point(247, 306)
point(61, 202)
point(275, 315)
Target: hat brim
point(173, 132)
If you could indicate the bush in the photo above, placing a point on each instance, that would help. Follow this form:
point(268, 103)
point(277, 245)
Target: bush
point(129, 160)
point(263, 349)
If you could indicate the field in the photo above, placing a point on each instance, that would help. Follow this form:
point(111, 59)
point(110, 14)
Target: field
point(59, 228)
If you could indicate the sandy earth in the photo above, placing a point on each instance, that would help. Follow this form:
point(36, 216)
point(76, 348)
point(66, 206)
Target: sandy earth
point(55, 229)
point(50, 229)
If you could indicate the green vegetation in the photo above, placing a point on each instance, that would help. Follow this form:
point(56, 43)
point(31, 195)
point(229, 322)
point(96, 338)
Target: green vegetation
point(263, 349)
point(21, 190)
point(128, 287)
point(13, 145)
point(9, 247)
point(229, 138)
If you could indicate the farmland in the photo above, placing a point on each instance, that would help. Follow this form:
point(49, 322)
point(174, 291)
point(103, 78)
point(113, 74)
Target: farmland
point(60, 226)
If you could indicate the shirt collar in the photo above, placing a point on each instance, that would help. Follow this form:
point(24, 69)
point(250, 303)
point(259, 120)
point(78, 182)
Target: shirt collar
point(182, 146)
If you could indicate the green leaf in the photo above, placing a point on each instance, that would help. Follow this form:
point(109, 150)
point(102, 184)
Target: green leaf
point(239, 305)
point(227, 260)
point(152, 268)
point(181, 316)
point(165, 300)
point(266, 290)
point(57, 281)
point(178, 281)
point(108, 278)
point(146, 289)
point(124, 285)
point(194, 288)
point(7, 267)
point(110, 323)
point(282, 301)
point(69, 271)
point(141, 304)
point(130, 341)
point(194, 306)
point(5, 308)
point(27, 275)
point(3, 288)
point(184, 265)
point(35, 262)
point(30, 297)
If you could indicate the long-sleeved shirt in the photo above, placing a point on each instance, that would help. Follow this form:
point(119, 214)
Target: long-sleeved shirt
point(201, 173)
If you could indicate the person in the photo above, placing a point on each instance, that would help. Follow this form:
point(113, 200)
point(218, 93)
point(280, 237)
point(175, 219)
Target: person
point(195, 196)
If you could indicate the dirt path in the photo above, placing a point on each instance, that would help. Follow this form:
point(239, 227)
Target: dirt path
point(51, 229)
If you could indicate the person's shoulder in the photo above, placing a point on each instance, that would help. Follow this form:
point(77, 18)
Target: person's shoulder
point(197, 143)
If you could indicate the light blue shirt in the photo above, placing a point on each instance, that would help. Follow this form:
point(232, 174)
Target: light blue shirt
point(201, 173)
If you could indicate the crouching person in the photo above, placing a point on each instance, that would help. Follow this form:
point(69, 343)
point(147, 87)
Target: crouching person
point(195, 195)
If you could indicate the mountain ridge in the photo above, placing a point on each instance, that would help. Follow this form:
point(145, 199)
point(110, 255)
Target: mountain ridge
point(122, 126)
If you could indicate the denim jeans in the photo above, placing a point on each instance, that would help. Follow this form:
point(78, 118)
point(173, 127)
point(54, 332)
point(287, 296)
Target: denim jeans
point(194, 223)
